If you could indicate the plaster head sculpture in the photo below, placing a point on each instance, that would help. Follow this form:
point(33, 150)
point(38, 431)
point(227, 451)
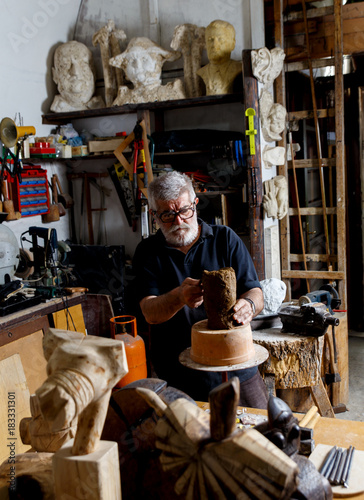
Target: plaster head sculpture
point(220, 73)
point(74, 74)
point(267, 64)
point(274, 292)
point(274, 123)
point(273, 156)
point(142, 62)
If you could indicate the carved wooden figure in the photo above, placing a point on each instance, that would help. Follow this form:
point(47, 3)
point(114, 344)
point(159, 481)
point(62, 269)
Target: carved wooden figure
point(82, 370)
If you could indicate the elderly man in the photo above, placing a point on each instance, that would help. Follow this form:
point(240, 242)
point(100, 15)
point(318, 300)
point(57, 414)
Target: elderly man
point(169, 266)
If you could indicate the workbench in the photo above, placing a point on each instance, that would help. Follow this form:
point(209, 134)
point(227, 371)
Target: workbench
point(22, 332)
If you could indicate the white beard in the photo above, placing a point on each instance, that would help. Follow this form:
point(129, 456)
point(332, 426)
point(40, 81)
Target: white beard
point(181, 235)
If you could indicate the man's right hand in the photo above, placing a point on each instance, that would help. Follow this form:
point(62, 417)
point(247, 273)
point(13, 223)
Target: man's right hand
point(191, 293)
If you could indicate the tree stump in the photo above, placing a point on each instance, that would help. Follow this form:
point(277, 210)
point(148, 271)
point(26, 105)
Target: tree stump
point(295, 360)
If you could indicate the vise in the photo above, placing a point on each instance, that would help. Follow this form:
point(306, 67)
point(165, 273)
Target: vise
point(312, 319)
point(326, 294)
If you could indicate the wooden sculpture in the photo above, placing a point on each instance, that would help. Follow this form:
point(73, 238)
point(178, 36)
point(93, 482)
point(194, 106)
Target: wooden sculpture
point(210, 459)
point(82, 370)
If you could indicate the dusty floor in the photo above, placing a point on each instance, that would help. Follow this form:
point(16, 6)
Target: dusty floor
point(356, 379)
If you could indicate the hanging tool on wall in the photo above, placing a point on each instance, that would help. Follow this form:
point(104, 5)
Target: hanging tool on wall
point(251, 132)
point(139, 149)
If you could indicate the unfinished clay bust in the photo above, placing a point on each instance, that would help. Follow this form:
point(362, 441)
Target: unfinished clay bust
point(82, 370)
point(273, 117)
point(219, 297)
point(74, 74)
point(190, 39)
point(267, 64)
point(142, 62)
point(220, 73)
point(273, 156)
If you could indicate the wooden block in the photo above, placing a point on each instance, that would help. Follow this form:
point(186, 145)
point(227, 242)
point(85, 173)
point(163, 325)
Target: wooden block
point(93, 476)
point(30, 350)
point(104, 146)
point(15, 405)
point(70, 319)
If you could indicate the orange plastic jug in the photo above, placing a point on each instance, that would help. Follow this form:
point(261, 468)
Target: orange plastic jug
point(124, 328)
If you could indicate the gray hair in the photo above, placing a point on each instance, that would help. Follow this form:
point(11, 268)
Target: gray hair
point(169, 186)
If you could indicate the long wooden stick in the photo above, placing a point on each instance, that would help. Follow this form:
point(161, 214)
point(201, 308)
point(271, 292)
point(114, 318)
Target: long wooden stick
point(317, 131)
point(298, 209)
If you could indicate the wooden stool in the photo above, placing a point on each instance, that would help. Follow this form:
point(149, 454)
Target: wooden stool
point(294, 369)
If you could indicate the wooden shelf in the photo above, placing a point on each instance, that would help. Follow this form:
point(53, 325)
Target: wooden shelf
point(60, 118)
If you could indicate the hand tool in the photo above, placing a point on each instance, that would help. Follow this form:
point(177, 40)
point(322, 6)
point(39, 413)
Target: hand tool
point(251, 132)
point(347, 466)
point(328, 462)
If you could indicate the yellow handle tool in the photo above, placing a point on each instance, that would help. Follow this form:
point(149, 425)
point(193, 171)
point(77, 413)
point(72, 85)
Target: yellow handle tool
point(251, 132)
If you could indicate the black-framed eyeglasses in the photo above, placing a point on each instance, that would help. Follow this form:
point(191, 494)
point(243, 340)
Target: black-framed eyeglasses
point(184, 213)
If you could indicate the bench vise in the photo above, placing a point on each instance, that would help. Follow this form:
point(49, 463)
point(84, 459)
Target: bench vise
point(312, 319)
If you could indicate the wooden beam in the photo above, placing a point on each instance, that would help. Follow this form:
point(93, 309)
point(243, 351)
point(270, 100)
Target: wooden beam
point(314, 275)
point(326, 162)
point(255, 184)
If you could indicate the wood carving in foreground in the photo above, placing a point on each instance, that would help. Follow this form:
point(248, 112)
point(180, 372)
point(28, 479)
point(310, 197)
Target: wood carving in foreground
point(82, 370)
point(211, 459)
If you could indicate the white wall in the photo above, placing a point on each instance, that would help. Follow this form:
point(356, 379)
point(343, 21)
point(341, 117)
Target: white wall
point(32, 29)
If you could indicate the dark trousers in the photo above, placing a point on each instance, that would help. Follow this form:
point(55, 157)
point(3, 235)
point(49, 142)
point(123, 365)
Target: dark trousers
point(254, 393)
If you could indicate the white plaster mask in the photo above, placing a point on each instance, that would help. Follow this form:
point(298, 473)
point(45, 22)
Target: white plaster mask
point(73, 73)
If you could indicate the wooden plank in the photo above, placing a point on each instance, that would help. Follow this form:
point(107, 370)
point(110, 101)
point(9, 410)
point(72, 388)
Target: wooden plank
point(70, 319)
point(312, 211)
point(30, 350)
point(326, 162)
point(353, 43)
point(319, 275)
point(308, 114)
point(321, 400)
point(280, 93)
point(316, 63)
point(312, 257)
point(311, 14)
point(340, 152)
point(15, 405)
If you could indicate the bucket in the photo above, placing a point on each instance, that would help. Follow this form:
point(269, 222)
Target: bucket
point(124, 328)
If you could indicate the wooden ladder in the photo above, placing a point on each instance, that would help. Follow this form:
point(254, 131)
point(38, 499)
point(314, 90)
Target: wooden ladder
point(302, 269)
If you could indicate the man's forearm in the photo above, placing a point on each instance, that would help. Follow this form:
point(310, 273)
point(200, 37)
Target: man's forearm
point(256, 295)
point(158, 309)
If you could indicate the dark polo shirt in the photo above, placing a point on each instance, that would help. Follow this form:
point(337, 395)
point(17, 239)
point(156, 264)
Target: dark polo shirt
point(159, 268)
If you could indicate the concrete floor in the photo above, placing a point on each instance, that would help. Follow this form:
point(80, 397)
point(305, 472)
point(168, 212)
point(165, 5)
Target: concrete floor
point(356, 378)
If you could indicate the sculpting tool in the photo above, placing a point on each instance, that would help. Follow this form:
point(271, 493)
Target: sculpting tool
point(347, 466)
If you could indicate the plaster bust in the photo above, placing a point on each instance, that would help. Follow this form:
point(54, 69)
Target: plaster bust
point(74, 74)
point(220, 73)
point(142, 63)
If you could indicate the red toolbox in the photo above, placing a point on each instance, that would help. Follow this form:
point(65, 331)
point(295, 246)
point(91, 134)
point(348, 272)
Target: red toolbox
point(31, 196)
